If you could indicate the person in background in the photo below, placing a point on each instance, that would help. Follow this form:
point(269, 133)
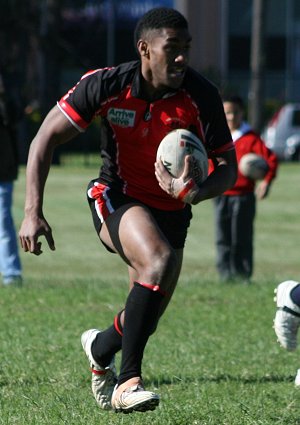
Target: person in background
point(139, 210)
point(287, 317)
point(235, 209)
point(10, 264)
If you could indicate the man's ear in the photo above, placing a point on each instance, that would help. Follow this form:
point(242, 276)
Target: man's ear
point(143, 48)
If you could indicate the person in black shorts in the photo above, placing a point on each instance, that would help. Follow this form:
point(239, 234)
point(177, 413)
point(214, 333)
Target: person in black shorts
point(139, 210)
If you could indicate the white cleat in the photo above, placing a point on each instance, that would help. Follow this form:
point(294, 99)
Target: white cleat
point(103, 379)
point(297, 379)
point(287, 318)
point(134, 398)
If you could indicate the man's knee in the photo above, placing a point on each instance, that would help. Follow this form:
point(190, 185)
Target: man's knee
point(162, 268)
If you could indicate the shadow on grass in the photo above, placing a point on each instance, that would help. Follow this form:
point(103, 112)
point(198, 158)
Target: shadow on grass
point(225, 378)
point(164, 381)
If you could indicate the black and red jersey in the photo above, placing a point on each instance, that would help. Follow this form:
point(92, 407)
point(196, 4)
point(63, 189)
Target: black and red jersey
point(133, 126)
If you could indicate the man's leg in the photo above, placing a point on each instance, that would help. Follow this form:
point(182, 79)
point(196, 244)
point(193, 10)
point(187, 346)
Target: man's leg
point(243, 214)
point(109, 342)
point(223, 236)
point(156, 264)
point(151, 242)
point(167, 298)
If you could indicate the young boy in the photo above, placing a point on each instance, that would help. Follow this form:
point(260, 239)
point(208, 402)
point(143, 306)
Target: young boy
point(235, 208)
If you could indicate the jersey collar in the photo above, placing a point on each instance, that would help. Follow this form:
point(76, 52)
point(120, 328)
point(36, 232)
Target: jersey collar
point(137, 90)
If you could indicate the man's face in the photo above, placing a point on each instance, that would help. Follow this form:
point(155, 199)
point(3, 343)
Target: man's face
point(234, 115)
point(168, 53)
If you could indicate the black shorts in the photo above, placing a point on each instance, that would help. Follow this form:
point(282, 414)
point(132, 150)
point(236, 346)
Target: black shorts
point(105, 202)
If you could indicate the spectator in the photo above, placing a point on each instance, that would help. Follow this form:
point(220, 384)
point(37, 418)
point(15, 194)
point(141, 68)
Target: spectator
point(235, 209)
point(10, 265)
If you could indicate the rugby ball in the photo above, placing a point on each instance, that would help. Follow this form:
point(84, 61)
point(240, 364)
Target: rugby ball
point(253, 166)
point(175, 146)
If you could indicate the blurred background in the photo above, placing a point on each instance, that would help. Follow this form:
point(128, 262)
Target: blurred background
point(249, 47)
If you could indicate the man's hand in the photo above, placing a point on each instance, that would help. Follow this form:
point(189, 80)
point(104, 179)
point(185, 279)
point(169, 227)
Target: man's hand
point(30, 231)
point(183, 187)
point(218, 181)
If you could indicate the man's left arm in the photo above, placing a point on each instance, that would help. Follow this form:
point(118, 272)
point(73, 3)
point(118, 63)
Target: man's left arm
point(220, 179)
point(184, 187)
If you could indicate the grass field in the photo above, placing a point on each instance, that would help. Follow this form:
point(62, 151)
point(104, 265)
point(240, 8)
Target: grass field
point(214, 359)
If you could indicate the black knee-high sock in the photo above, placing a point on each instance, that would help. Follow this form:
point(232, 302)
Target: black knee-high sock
point(108, 342)
point(141, 317)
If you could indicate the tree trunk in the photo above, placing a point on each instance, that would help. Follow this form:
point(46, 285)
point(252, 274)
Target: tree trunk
point(256, 95)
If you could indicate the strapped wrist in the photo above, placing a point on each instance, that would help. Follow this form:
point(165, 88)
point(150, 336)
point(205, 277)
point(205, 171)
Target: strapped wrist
point(188, 192)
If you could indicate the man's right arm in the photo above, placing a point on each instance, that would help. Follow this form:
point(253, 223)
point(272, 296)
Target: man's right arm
point(55, 130)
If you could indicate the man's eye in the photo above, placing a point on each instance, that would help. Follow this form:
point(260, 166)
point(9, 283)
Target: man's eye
point(170, 48)
point(177, 50)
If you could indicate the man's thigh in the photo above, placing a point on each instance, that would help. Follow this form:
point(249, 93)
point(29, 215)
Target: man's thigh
point(123, 221)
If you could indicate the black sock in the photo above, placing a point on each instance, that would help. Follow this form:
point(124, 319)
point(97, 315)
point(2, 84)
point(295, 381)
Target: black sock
point(295, 295)
point(141, 317)
point(108, 342)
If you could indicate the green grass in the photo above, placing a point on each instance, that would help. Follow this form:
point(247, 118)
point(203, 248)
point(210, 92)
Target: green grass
point(214, 359)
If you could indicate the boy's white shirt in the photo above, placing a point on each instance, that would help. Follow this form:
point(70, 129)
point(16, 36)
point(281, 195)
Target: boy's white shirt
point(239, 132)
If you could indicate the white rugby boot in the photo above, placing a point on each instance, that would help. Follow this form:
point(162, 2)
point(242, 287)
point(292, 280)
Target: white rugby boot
point(103, 379)
point(287, 318)
point(134, 398)
point(297, 379)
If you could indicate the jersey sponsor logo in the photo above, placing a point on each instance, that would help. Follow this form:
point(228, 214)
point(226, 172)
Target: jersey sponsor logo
point(121, 117)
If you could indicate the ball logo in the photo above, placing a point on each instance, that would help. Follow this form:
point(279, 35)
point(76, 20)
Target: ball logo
point(168, 165)
point(189, 144)
point(174, 148)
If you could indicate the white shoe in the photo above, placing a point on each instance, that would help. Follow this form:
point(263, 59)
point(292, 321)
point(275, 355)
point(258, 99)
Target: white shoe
point(287, 318)
point(134, 398)
point(297, 379)
point(13, 281)
point(103, 379)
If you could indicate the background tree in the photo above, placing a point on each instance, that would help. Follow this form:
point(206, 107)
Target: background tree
point(257, 64)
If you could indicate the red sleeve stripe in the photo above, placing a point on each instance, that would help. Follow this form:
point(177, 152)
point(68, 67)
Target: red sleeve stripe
point(72, 115)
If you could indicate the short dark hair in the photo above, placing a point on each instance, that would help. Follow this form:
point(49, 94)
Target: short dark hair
point(158, 18)
point(234, 98)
